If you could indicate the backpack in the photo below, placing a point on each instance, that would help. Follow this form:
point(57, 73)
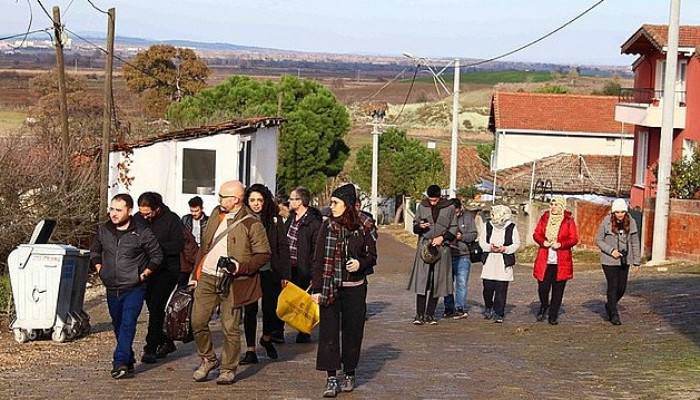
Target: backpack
point(508, 259)
point(178, 315)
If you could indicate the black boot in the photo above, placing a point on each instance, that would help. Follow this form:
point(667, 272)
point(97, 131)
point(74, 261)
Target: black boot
point(542, 313)
point(249, 358)
point(615, 319)
point(269, 348)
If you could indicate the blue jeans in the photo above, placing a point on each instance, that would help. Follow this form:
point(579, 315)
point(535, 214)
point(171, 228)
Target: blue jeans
point(124, 308)
point(460, 274)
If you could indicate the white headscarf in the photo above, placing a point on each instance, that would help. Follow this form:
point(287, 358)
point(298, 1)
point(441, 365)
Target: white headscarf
point(500, 216)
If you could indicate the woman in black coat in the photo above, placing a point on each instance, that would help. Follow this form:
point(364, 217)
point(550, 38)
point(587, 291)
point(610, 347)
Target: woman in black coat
point(346, 252)
point(259, 199)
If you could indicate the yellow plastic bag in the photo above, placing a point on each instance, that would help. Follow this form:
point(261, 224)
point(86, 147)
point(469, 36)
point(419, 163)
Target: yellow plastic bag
point(295, 307)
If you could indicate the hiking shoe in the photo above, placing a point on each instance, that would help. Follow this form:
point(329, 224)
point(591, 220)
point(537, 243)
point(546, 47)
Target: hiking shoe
point(488, 313)
point(277, 337)
point(269, 348)
point(149, 358)
point(120, 372)
point(460, 314)
point(249, 358)
point(226, 377)
point(332, 387)
point(498, 319)
point(165, 349)
point(303, 338)
point(418, 320)
point(348, 384)
point(202, 372)
point(430, 320)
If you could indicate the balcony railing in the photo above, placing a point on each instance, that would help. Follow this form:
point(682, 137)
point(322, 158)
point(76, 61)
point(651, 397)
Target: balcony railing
point(647, 96)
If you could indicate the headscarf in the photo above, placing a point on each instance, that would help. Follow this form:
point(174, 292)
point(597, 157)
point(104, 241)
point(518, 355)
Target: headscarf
point(500, 216)
point(556, 216)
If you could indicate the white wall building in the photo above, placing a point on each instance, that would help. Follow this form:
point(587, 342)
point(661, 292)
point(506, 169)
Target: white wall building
point(195, 162)
point(531, 126)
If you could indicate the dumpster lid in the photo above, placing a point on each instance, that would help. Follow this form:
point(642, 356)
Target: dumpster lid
point(52, 249)
point(42, 231)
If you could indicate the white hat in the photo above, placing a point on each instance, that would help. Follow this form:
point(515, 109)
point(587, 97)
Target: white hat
point(619, 205)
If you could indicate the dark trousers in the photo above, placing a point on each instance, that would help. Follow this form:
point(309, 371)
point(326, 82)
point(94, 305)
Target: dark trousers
point(550, 284)
point(124, 309)
point(616, 275)
point(421, 309)
point(271, 288)
point(158, 289)
point(495, 294)
point(346, 315)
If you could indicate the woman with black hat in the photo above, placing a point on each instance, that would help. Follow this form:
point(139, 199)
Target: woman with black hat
point(346, 253)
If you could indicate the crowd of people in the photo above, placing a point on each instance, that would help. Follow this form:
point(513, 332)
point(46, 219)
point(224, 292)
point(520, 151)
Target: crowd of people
point(238, 259)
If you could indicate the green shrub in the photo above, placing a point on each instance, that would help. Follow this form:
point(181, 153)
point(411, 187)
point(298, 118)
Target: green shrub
point(5, 293)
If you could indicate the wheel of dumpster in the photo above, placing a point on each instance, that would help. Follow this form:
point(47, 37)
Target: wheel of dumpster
point(32, 334)
point(21, 335)
point(58, 336)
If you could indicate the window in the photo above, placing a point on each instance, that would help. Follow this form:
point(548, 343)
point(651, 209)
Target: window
point(681, 73)
point(244, 160)
point(642, 154)
point(198, 171)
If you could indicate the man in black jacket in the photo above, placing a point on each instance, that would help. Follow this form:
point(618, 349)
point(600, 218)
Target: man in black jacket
point(124, 253)
point(168, 229)
point(196, 220)
point(302, 228)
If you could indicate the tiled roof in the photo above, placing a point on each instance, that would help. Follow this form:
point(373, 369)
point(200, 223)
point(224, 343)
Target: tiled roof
point(657, 36)
point(243, 125)
point(470, 168)
point(571, 173)
point(555, 112)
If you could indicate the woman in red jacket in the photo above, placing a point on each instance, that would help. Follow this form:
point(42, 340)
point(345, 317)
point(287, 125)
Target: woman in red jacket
point(556, 235)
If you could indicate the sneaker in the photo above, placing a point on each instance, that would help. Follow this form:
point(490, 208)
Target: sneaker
point(418, 320)
point(277, 337)
point(498, 319)
point(488, 313)
point(348, 384)
point(130, 367)
point(303, 338)
point(448, 314)
point(332, 387)
point(460, 314)
point(269, 348)
point(202, 372)
point(165, 349)
point(226, 377)
point(149, 358)
point(615, 319)
point(430, 320)
point(249, 358)
point(120, 372)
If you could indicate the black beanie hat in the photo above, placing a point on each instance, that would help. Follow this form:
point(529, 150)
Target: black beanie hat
point(346, 193)
point(434, 191)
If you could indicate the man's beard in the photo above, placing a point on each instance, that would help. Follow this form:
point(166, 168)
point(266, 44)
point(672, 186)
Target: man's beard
point(122, 223)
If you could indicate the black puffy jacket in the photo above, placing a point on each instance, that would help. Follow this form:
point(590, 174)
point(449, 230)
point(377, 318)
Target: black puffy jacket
point(167, 228)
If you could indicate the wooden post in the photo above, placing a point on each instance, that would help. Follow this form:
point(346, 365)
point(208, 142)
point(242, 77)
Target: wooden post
point(107, 114)
point(63, 103)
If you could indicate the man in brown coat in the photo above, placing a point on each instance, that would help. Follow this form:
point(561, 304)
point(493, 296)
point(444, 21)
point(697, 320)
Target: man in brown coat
point(238, 247)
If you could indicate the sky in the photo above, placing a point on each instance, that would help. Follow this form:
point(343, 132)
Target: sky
point(427, 28)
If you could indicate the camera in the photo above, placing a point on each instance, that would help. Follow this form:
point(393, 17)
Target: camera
point(227, 264)
point(623, 257)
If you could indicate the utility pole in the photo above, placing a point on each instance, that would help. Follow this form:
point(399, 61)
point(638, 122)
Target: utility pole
point(455, 133)
point(660, 237)
point(107, 113)
point(63, 103)
point(375, 164)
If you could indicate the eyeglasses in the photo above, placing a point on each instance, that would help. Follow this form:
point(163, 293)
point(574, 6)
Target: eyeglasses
point(221, 197)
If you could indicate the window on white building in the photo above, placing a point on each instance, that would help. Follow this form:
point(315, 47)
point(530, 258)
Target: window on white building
point(642, 154)
point(244, 160)
point(198, 171)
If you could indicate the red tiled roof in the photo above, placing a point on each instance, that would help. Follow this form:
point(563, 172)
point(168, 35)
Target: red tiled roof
point(243, 125)
point(570, 173)
point(555, 112)
point(657, 36)
point(470, 168)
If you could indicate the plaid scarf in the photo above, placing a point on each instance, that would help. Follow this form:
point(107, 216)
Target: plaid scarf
point(293, 239)
point(335, 254)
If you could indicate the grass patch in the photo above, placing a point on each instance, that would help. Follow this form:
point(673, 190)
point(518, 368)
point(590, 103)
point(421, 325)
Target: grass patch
point(11, 119)
point(494, 77)
point(5, 293)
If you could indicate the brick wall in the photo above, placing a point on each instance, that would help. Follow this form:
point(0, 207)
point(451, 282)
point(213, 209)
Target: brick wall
point(588, 217)
point(683, 229)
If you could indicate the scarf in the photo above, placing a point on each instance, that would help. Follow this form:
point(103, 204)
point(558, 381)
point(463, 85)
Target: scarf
point(335, 254)
point(556, 216)
point(500, 215)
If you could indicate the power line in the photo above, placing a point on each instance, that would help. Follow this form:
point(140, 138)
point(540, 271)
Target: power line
point(29, 26)
point(24, 33)
point(97, 8)
point(45, 11)
point(408, 94)
point(385, 85)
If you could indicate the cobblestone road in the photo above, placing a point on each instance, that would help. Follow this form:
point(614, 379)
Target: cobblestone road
point(654, 354)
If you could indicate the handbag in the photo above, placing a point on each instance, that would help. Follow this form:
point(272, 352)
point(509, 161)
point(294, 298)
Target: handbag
point(430, 254)
point(295, 307)
point(178, 315)
point(475, 252)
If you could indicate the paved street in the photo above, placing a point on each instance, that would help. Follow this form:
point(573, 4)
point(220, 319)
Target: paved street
point(655, 353)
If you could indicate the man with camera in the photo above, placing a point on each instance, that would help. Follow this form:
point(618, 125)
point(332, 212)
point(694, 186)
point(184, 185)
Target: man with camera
point(233, 247)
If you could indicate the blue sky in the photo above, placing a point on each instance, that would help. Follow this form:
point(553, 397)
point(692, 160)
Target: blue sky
point(432, 28)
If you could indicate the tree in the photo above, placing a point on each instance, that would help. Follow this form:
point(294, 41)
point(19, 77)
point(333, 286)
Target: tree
point(612, 88)
point(406, 167)
point(554, 89)
point(163, 74)
point(484, 150)
point(311, 146)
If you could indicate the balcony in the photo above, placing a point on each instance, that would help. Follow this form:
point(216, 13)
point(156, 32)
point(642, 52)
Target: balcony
point(643, 107)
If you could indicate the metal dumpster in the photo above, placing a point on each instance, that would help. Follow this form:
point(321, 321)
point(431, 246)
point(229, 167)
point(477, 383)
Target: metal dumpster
point(48, 288)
